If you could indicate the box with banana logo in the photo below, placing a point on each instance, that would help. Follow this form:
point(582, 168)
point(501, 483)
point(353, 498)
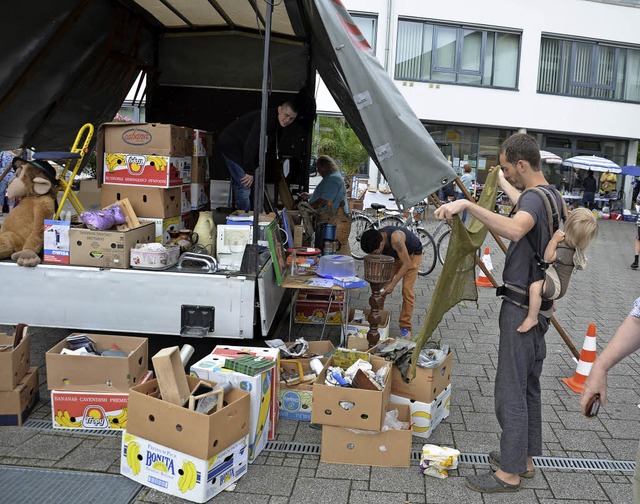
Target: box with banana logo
point(179, 428)
point(267, 353)
point(16, 405)
point(425, 417)
point(145, 169)
point(90, 410)
point(176, 473)
point(259, 387)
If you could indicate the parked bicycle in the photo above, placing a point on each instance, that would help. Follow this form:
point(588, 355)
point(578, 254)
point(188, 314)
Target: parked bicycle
point(382, 218)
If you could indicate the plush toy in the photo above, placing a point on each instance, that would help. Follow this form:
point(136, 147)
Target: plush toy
point(21, 234)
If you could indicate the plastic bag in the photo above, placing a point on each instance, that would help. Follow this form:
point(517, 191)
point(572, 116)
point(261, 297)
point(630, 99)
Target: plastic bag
point(391, 421)
point(437, 460)
point(103, 219)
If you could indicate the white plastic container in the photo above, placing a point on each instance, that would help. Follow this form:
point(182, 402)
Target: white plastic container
point(154, 256)
point(331, 266)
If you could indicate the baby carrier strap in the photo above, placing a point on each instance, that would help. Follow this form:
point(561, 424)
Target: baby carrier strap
point(554, 216)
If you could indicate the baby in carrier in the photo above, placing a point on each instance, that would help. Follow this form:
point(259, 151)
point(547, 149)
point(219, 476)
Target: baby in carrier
point(563, 255)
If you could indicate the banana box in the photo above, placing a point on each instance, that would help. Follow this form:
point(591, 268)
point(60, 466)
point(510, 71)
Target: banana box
point(425, 417)
point(197, 434)
point(200, 195)
point(268, 353)
point(91, 410)
point(259, 386)
point(144, 170)
point(16, 405)
point(176, 473)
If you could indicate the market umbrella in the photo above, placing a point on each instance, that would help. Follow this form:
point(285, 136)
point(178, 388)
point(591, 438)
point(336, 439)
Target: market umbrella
point(593, 163)
point(550, 157)
point(634, 171)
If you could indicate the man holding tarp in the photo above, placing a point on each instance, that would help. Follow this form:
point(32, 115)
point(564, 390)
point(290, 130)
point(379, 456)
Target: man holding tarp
point(520, 355)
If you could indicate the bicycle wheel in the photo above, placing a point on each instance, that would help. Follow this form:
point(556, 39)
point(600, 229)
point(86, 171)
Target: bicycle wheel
point(391, 220)
point(443, 244)
point(359, 224)
point(428, 252)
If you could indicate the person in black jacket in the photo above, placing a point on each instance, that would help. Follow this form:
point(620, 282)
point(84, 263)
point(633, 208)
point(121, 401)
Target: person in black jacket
point(240, 144)
point(588, 196)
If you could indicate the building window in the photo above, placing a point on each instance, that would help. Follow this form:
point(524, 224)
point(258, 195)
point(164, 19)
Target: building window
point(457, 55)
point(368, 26)
point(589, 70)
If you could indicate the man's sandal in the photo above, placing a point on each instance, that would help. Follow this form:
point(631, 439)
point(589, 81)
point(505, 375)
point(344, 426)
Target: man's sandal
point(490, 483)
point(494, 458)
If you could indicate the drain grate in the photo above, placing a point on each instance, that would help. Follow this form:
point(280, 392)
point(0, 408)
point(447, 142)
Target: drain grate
point(557, 463)
point(291, 447)
point(479, 458)
point(52, 486)
point(34, 423)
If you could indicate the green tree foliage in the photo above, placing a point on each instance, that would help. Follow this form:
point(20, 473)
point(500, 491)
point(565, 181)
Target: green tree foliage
point(335, 138)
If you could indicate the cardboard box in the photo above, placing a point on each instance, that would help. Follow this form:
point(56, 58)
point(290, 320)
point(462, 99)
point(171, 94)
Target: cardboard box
point(425, 417)
point(89, 194)
point(163, 226)
point(390, 448)
point(14, 364)
point(202, 143)
point(369, 406)
point(200, 169)
point(210, 368)
point(312, 305)
point(153, 202)
point(185, 199)
point(428, 384)
point(268, 353)
point(176, 473)
point(16, 405)
point(56, 241)
point(358, 329)
point(186, 170)
point(191, 432)
point(91, 410)
point(144, 170)
point(148, 138)
point(107, 249)
point(295, 401)
point(200, 195)
point(90, 373)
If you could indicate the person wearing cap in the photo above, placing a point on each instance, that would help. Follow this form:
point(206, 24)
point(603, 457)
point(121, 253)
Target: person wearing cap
point(239, 144)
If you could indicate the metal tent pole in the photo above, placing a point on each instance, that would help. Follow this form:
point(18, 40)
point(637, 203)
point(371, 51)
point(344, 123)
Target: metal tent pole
point(258, 182)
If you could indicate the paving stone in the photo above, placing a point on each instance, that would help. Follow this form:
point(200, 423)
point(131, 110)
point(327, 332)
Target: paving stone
point(391, 479)
point(314, 491)
point(340, 471)
point(364, 497)
point(89, 459)
point(45, 447)
point(15, 436)
point(270, 480)
point(360, 484)
point(578, 486)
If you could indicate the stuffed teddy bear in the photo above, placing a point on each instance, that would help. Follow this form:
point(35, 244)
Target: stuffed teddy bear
point(21, 234)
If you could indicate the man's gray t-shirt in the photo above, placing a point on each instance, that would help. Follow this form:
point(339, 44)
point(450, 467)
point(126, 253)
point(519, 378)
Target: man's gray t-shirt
point(521, 268)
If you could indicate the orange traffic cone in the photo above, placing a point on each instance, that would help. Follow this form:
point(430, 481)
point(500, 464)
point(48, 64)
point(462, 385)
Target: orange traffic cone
point(587, 358)
point(482, 280)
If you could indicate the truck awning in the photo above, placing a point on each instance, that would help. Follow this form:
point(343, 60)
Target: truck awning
point(70, 62)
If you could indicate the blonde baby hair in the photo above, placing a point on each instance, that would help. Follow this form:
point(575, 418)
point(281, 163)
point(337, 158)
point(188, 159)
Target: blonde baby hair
point(581, 228)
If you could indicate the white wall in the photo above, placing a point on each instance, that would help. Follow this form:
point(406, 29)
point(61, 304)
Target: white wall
point(524, 108)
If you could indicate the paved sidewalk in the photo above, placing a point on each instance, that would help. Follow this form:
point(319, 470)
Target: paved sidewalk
point(603, 294)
